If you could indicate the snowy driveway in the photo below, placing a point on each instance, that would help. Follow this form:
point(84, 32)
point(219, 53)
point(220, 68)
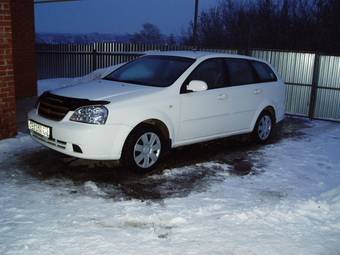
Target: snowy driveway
point(224, 197)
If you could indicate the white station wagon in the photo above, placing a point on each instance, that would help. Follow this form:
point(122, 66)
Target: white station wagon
point(160, 101)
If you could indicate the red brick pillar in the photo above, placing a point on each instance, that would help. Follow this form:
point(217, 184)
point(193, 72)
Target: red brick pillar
point(24, 48)
point(7, 86)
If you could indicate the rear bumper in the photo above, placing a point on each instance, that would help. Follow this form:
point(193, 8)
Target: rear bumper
point(280, 113)
point(98, 142)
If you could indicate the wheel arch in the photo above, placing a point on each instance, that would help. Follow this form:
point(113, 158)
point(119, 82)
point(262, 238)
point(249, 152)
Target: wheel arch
point(272, 112)
point(159, 124)
point(266, 108)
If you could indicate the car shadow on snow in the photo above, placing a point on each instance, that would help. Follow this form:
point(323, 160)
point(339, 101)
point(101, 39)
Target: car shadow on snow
point(184, 170)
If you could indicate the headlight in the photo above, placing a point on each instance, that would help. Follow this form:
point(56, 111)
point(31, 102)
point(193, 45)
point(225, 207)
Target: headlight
point(93, 114)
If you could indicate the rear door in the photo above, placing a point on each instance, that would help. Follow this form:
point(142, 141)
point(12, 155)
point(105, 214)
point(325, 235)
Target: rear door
point(250, 84)
point(244, 92)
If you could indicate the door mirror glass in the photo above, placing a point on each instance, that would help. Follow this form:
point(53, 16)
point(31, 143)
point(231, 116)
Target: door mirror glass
point(196, 86)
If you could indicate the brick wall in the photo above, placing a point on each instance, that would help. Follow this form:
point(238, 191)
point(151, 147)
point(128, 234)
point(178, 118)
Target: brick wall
point(7, 90)
point(24, 48)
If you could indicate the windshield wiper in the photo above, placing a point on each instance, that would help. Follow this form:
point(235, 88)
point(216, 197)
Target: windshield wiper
point(131, 82)
point(110, 79)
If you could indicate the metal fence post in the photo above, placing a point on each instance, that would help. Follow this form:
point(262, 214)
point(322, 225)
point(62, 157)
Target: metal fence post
point(314, 91)
point(194, 34)
point(94, 59)
point(245, 52)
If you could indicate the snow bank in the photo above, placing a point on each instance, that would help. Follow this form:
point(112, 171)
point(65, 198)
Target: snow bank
point(291, 206)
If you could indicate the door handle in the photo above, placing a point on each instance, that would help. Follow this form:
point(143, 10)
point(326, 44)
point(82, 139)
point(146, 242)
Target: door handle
point(257, 91)
point(221, 96)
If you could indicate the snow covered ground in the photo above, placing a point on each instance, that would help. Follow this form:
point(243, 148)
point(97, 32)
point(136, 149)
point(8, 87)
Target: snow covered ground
point(222, 197)
point(225, 197)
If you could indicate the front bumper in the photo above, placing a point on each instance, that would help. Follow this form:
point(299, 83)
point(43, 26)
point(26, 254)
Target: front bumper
point(98, 142)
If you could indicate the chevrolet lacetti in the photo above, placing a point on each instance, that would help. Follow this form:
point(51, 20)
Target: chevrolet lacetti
point(160, 101)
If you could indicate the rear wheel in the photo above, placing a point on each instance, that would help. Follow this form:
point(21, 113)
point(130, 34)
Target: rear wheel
point(144, 149)
point(264, 127)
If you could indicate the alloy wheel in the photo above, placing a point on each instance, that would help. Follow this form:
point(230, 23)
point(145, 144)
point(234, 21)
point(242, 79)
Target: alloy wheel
point(264, 127)
point(147, 150)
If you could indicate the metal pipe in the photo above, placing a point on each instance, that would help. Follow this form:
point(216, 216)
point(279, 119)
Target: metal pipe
point(194, 35)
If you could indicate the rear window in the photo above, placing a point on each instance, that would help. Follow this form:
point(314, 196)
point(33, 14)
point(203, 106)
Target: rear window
point(264, 72)
point(240, 72)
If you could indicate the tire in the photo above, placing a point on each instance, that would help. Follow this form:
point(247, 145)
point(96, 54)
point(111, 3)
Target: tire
point(144, 148)
point(263, 129)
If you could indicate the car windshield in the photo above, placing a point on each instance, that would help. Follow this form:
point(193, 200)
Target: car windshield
point(158, 71)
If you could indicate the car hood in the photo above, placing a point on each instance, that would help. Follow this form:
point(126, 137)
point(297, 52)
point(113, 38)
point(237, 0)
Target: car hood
point(103, 90)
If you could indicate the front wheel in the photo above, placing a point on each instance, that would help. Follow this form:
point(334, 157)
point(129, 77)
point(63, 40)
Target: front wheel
point(144, 149)
point(263, 127)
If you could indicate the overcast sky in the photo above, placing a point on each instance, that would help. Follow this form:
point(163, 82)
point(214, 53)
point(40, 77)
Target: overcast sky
point(116, 16)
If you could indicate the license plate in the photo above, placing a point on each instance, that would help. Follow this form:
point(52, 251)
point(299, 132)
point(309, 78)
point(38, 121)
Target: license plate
point(39, 129)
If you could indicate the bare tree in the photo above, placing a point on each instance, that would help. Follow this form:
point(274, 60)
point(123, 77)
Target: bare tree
point(150, 33)
point(281, 24)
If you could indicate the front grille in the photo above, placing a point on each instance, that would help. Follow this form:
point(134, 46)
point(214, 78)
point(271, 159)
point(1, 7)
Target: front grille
point(56, 107)
point(52, 108)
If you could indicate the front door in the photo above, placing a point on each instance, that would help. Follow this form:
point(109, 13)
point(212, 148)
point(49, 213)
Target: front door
point(205, 113)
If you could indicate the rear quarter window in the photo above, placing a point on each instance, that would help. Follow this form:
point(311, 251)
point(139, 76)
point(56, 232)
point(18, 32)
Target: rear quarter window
point(264, 72)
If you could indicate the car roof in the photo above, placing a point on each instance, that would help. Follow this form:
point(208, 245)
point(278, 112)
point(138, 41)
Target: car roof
point(197, 54)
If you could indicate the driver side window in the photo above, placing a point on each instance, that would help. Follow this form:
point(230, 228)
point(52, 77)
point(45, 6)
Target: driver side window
point(211, 71)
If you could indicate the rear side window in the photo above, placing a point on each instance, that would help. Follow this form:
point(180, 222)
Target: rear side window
point(264, 72)
point(240, 72)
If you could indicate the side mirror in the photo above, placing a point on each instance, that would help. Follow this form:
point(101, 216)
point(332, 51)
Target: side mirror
point(197, 86)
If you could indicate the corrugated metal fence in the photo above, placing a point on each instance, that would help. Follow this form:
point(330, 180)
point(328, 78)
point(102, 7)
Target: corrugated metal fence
point(76, 60)
point(313, 81)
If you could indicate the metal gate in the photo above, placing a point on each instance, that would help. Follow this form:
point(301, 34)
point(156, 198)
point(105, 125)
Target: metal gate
point(327, 105)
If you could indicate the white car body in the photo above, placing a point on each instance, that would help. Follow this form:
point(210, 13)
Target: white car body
point(189, 118)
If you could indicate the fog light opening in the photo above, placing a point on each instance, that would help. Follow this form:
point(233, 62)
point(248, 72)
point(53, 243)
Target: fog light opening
point(76, 148)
